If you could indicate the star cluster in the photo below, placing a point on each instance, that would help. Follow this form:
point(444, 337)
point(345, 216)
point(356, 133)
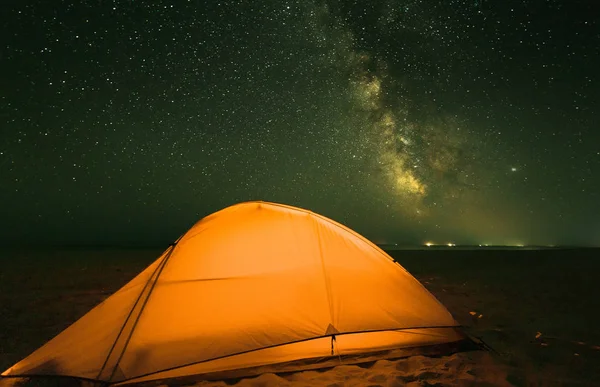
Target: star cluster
point(410, 121)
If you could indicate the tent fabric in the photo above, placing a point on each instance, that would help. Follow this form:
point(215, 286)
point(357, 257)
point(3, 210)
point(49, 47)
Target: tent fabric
point(251, 285)
point(315, 353)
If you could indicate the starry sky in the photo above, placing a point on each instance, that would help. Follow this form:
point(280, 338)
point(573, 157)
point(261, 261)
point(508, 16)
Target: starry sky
point(124, 122)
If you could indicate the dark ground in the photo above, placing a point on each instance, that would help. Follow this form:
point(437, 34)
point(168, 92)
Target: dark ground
point(517, 293)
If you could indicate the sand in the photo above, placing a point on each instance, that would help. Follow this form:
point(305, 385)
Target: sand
point(461, 369)
point(538, 310)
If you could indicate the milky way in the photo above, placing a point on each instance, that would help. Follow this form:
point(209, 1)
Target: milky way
point(409, 121)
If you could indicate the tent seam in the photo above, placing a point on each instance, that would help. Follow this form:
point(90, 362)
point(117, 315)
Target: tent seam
point(110, 351)
point(160, 269)
point(325, 278)
point(349, 230)
point(456, 327)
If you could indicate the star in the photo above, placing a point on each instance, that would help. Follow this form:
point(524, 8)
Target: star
point(376, 116)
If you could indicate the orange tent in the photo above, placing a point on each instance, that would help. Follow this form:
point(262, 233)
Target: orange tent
point(256, 286)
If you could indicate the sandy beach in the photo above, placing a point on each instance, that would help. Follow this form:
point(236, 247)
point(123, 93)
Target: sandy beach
point(536, 309)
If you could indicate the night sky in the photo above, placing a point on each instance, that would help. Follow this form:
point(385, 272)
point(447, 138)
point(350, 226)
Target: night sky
point(471, 122)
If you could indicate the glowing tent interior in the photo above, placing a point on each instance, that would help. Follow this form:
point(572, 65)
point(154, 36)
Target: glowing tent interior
point(254, 286)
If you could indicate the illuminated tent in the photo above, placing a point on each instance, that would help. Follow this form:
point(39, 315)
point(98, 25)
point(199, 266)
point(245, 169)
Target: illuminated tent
point(252, 288)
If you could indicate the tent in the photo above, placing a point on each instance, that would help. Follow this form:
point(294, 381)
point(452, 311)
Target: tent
point(252, 288)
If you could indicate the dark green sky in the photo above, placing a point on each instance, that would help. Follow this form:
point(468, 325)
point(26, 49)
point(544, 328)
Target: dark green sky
point(409, 121)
